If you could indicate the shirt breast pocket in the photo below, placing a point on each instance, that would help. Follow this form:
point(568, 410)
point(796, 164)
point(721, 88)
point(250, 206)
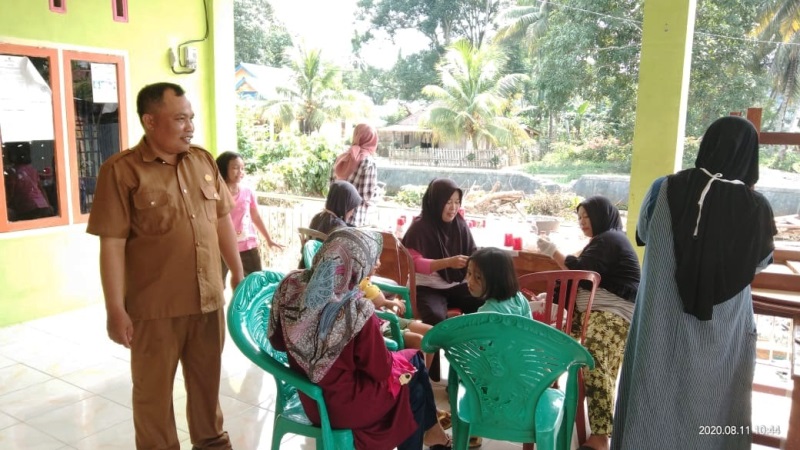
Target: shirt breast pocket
point(210, 200)
point(153, 212)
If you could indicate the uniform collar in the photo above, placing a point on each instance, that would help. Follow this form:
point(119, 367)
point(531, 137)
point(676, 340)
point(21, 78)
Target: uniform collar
point(148, 155)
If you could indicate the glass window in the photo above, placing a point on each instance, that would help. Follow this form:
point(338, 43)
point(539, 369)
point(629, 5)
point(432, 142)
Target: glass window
point(30, 166)
point(96, 124)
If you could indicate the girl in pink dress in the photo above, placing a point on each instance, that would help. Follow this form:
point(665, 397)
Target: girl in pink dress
point(244, 214)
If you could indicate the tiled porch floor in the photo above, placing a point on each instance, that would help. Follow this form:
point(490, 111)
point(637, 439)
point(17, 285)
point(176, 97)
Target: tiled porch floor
point(64, 385)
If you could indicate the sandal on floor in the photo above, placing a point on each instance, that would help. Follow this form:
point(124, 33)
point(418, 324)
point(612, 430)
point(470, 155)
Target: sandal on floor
point(445, 419)
point(475, 441)
point(447, 446)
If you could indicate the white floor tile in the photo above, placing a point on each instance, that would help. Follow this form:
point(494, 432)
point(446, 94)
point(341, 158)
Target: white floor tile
point(86, 404)
point(75, 422)
point(20, 376)
point(254, 387)
point(5, 362)
point(42, 398)
point(24, 437)
point(119, 437)
point(6, 421)
point(251, 429)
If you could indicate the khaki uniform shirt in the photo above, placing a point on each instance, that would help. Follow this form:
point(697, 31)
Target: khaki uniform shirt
point(168, 215)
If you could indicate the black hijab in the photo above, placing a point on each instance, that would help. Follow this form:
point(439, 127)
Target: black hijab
point(342, 197)
point(719, 244)
point(603, 215)
point(435, 239)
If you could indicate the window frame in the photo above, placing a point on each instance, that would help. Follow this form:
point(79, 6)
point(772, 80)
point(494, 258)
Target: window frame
point(124, 16)
point(119, 61)
point(58, 144)
point(58, 9)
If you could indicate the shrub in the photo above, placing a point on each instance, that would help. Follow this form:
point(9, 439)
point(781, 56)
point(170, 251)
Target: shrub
point(544, 203)
point(411, 195)
point(298, 165)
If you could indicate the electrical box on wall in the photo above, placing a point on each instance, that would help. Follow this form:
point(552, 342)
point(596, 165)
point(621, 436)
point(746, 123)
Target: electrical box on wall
point(190, 57)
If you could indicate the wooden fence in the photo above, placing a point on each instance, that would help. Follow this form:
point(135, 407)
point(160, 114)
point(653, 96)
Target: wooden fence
point(448, 157)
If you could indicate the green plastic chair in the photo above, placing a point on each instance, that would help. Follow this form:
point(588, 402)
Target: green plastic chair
point(502, 368)
point(310, 249)
point(248, 316)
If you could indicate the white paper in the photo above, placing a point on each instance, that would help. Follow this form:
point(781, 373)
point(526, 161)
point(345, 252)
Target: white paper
point(104, 83)
point(26, 101)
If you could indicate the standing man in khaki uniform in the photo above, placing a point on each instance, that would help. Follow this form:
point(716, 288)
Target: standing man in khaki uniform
point(161, 210)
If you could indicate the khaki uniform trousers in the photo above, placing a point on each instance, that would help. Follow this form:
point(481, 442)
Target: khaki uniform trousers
point(196, 341)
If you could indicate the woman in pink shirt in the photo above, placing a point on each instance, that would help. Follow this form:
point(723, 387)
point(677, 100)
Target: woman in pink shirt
point(244, 214)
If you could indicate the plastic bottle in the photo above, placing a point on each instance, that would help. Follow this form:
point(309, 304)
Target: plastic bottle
point(399, 229)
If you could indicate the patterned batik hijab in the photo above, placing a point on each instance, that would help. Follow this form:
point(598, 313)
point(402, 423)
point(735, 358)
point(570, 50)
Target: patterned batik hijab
point(321, 309)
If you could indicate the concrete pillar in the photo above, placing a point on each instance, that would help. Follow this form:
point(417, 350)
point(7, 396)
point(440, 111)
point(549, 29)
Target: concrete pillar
point(662, 95)
point(223, 111)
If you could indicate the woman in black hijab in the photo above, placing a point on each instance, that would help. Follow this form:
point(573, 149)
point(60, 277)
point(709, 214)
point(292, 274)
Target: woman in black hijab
point(341, 203)
point(440, 243)
point(609, 253)
point(690, 355)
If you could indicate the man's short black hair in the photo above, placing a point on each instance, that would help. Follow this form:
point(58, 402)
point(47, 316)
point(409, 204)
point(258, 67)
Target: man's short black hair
point(152, 95)
point(497, 267)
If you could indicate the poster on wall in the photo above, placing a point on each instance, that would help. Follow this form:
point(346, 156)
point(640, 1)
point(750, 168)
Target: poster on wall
point(26, 101)
point(104, 83)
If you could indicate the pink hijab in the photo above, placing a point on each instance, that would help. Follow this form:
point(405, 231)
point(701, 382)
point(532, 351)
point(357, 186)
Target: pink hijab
point(365, 142)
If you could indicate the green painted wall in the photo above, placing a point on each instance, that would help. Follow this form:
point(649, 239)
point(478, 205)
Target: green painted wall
point(48, 271)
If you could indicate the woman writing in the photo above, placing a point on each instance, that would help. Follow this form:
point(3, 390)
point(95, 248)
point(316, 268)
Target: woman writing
point(690, 355)
point(332, 335)
point(609, 253)
point(440, 244)
point(357, 166)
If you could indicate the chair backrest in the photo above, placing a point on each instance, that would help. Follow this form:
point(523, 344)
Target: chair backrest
point(561, 287)
point(398, 266)
point(310, 249)
point(529, 262)
point(247, 319)
point(504, 363)
point(307, 234)
point(248, 316)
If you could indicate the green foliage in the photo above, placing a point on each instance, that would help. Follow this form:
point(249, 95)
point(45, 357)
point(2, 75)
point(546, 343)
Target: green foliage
point(727, 74)
point(259, 38)
point(441, 22)
point(597, 150)
point(299, 165)
point(411, 195)
point(314, 96)
point(595, 156)
point(780, 158)
point(472, 98)
point(412, 72)
point(376, 83)
point(690, 147)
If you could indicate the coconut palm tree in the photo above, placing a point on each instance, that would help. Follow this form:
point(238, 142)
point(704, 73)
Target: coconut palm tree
point(472, 101)
point(780, 20)
point(527, 21)
point(314, 95)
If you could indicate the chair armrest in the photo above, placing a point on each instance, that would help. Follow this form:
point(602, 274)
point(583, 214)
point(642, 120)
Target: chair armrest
point(401, 291)
point(394, 326)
